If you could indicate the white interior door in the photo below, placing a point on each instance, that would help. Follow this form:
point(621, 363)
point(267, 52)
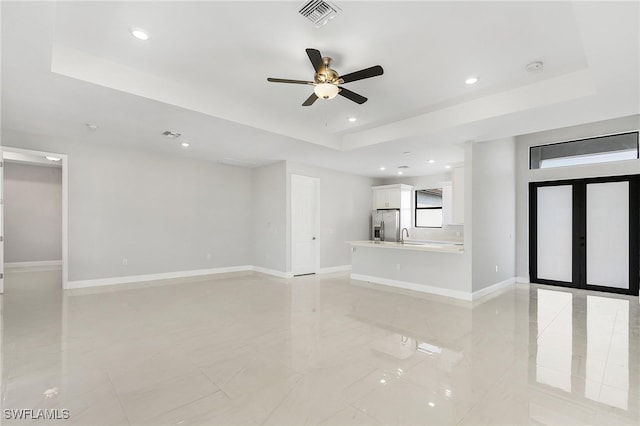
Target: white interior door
point(555, 239)
point(304, 222)
point(608, 234)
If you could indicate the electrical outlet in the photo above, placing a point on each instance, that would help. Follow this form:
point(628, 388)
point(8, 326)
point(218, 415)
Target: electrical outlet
point(208, 256)
point(125, 261)
point(398, 266)
point(496, 268)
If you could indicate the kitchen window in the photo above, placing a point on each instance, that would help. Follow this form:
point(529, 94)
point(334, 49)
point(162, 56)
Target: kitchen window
point(428, 212)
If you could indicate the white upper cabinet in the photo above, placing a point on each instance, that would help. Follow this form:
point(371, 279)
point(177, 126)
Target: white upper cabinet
point(392, 197)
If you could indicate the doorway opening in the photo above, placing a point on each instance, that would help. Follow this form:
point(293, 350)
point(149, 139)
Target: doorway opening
point(585, 233)
point(33, 214)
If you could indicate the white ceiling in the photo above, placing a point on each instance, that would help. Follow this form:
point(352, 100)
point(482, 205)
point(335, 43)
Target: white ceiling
point(203, 73)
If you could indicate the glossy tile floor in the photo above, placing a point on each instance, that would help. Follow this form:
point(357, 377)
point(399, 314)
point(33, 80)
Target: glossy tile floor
point(250, 349)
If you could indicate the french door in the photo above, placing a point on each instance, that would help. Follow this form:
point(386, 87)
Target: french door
point(584, 233)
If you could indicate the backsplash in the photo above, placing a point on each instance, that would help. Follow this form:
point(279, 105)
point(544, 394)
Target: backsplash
point(454, 233)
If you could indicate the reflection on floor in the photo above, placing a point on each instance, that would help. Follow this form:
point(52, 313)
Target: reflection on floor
point(251, 349)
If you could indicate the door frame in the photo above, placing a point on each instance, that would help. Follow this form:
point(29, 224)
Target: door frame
point(316, 182)
point(579, 231)
point(65, 199)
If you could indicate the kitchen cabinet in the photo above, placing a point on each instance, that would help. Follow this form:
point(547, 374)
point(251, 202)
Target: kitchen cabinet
point(392, 197)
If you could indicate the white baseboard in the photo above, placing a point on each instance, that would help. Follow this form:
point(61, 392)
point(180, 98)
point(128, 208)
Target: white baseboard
point(155, 277)
point(522, 279)
point(492, 288)
point(33, 264)
point(332, 269)
point(273, 272)
point(423, 288)
point(462, 295)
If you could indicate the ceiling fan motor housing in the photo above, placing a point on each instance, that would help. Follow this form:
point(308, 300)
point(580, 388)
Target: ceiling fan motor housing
point(326, 74)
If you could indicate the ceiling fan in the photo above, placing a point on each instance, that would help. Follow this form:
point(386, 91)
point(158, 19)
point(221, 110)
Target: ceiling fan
point(326, 81)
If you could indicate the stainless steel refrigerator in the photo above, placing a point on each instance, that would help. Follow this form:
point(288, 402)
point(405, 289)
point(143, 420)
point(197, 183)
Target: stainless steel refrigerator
point(385, 225)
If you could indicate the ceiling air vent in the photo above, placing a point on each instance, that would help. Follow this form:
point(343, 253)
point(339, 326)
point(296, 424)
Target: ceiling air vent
point(319, 12)
point(171, 135)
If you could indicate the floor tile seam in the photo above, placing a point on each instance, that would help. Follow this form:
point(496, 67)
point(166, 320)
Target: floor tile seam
point(190, 402)
point(215, 384)
point(156, 383)
point(372, 417)
point(540, 333)
point(115, 391)
point(220, 385)
point(282, 400)
point(308, 373)
point(168, 411)
point(485, 395)
point(606, 363)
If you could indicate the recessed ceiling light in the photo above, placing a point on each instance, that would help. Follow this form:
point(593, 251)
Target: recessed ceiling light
point(447, 166)
point(383, 168)
point(471, 80)
point(92, 126)
point(431, 161)
point(185, 144)
point(139, 34)
point(399, 172)
point(51, 158)
point(352, 119)
point(407, 153)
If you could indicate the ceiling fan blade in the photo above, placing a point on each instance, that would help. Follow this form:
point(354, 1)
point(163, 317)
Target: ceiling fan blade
point(362, 74)
point(316, 59)
point(310, 100)
point(284, 80)
point(352, 96)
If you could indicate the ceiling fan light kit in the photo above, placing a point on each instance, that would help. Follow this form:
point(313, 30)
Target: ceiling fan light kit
point(326, 90)
point(326, 81)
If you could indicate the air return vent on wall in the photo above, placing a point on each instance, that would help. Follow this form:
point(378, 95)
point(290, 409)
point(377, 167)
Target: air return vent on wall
point(319, 12)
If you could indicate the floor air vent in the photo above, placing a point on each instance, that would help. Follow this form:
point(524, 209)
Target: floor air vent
point(319, 12)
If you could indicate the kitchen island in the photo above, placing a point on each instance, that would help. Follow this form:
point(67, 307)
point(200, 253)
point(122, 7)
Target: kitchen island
point(437, 267)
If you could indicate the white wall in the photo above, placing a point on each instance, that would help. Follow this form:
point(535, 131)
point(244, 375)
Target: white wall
point(269, 206)
point(345, 209)
point(493, 213)
point(161, 213)
point(32, 213)
point(524, 175)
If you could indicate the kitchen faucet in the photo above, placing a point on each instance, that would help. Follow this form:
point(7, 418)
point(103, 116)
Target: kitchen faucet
point(402, 235)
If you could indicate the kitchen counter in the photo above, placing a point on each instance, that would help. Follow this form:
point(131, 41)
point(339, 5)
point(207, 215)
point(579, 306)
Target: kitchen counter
point(415, 245)
point(440, 268)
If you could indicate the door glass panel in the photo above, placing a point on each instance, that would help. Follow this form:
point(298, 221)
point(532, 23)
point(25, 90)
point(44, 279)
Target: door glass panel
point(608, 234)
point(555, 210)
